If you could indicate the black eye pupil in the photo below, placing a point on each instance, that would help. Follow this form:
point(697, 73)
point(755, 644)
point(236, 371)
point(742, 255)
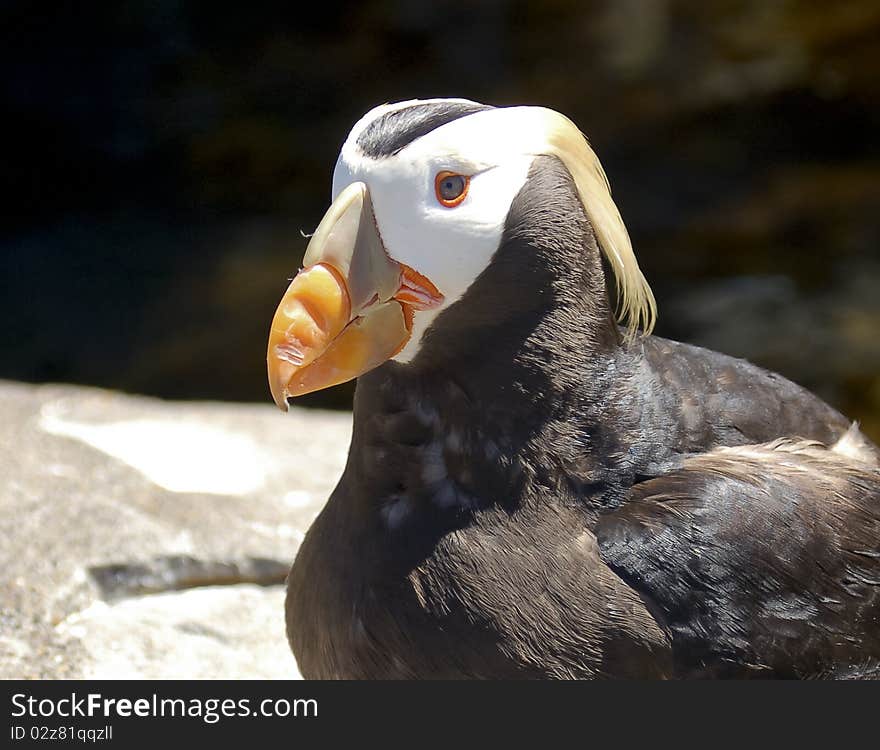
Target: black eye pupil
point(452, 187)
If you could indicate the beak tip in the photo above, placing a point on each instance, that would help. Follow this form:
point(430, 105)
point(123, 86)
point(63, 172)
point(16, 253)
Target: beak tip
point(279, 395)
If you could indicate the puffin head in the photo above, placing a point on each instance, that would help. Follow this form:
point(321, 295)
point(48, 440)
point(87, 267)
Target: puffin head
point(422, 193)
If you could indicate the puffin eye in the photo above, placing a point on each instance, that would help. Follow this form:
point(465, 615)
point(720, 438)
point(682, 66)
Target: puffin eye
point(451, 188)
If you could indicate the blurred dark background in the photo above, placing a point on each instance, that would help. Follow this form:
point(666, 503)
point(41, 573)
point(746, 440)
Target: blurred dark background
point(161, 158)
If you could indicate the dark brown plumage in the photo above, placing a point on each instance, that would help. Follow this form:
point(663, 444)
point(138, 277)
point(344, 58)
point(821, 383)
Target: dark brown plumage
point(536, 496)
point(761, 560)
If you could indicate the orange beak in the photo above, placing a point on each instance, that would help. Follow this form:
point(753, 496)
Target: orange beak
point(349, 310)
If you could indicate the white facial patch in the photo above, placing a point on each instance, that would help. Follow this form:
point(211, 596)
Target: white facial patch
point(450, 246)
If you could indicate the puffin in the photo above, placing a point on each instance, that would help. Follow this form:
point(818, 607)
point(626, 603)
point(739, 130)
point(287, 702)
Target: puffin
point(536, 486)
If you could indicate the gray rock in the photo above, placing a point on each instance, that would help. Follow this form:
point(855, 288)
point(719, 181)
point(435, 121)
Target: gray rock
point(145, 538)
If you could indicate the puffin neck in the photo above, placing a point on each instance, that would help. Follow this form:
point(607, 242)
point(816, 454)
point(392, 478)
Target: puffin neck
point(527, 363)
point(432, 448)
point(536, 323)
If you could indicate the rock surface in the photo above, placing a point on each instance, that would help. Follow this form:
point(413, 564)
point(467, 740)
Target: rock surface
point(146, 538)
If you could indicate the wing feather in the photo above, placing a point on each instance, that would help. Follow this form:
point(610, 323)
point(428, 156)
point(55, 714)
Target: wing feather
point(759, 560)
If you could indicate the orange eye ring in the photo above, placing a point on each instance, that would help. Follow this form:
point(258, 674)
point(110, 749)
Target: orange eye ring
point(446, 188)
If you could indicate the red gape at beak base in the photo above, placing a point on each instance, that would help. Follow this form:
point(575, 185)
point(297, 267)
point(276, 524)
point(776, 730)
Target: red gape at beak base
point(319, 337)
